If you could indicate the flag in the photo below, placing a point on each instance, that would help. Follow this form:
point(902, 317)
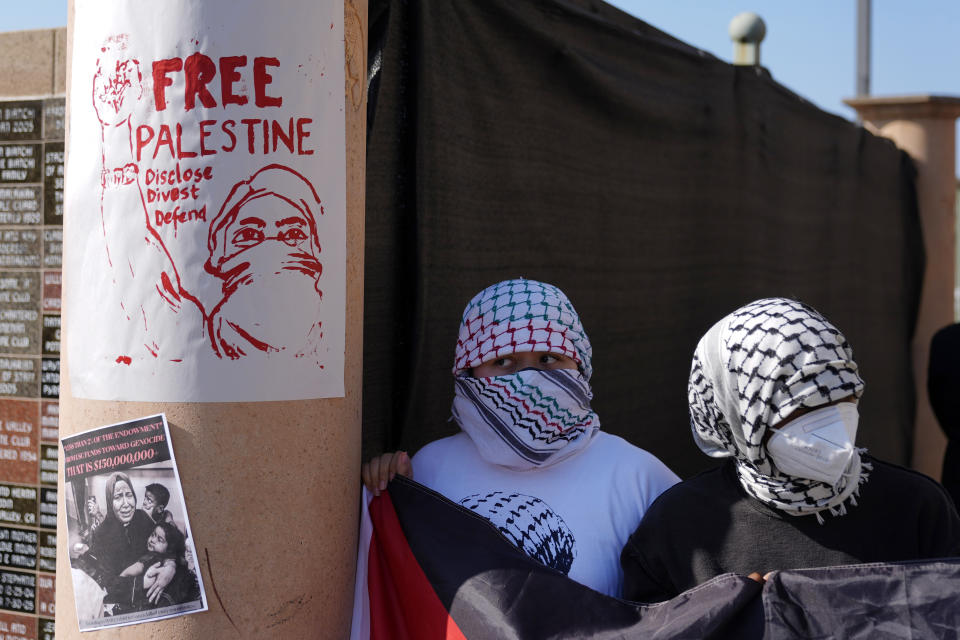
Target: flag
point(429, 569)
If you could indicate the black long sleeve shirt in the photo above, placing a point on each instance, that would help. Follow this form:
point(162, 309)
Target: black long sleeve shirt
point(708, 525)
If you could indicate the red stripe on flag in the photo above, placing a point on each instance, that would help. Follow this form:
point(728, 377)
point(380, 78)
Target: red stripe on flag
point(403, 604)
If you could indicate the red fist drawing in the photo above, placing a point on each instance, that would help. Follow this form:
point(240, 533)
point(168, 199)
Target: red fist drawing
point(117, 86)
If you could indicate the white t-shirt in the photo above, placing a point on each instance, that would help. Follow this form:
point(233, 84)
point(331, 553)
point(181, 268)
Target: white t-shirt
point(574, 516)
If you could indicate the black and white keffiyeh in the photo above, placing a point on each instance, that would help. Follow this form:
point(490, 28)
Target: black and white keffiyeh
point(750, 372)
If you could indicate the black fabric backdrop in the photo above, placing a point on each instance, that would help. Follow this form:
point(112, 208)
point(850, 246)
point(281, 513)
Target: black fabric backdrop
point(658, 186)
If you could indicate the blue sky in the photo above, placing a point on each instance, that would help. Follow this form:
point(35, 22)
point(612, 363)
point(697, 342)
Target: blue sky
point(810, 46)
point(33, 14)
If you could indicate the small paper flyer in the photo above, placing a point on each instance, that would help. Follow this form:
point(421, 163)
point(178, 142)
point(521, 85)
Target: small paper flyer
point(132, 556)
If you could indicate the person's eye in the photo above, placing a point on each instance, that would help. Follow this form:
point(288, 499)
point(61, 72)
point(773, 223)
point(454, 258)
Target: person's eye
point(248, 235)
point(293, 235)
point(549, 358)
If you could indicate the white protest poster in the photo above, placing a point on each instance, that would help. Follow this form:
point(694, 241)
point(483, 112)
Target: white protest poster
point(132, 553)
point(205, 201)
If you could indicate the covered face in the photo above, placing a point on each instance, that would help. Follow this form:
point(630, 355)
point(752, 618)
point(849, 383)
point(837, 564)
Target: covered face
point(750, 372)
point(265, 248)
point(524, 418)
point(277, 205)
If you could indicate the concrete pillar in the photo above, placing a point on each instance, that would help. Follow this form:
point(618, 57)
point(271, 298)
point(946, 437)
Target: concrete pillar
point(924, 126)
point(272, 488)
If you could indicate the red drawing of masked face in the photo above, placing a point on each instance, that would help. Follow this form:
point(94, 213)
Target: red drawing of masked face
point(264, 246)
point(269, 215)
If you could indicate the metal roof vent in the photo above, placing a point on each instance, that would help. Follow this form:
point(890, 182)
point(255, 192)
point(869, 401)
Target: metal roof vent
point(747, 30)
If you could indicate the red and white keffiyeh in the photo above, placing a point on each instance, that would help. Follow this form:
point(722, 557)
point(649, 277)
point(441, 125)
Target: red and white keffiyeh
point(518, 316)
point(527, 419)
point(530, 418)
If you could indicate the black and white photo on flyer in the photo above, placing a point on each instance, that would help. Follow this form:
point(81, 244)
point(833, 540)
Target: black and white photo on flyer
point(132, 555)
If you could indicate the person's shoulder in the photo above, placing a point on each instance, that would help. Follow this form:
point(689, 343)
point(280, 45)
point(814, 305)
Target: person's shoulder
point(917, 498)
point(893, 477)
point(679, 510)
point(436, 462)
point(141, 520)
point(443, 446)
point(440, 453)
point(948, 335)
point(618, 451)
point(701, 487)
point(612, 445)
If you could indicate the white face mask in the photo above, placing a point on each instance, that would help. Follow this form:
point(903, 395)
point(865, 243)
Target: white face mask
point(817, 445)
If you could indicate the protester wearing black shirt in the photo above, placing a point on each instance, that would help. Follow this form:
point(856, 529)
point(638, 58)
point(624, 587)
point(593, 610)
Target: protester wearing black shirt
point(774, 387)
point(708, 525)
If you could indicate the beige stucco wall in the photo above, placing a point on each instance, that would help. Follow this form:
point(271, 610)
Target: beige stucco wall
point(925, 127)
point(34, 62)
